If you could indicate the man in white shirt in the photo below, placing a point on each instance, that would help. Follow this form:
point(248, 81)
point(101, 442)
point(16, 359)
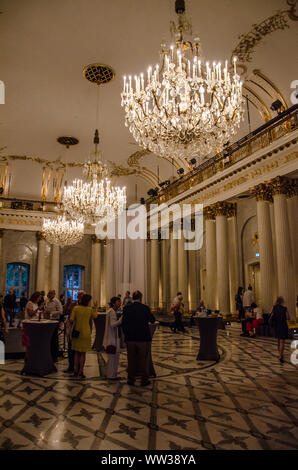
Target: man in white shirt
point(248, 298)
point(53, 306)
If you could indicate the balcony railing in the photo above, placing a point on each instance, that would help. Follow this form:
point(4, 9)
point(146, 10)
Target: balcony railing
point(262, 137)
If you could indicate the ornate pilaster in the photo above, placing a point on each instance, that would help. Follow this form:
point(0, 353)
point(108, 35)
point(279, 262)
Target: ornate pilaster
point(285, 269)
point(263, 194)
point(96, 271)
point(173, 267)
point(233, 255)
point(182, 272)
point(54, 278)
point(211, 266)
point(154, 284)
point(41, 258)
point(292, 202)
point(222, 210)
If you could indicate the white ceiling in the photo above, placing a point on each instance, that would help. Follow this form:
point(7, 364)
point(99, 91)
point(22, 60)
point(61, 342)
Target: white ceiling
point(46, 44)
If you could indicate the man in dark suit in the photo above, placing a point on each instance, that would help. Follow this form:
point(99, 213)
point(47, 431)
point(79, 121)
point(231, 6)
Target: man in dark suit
point(135, 324)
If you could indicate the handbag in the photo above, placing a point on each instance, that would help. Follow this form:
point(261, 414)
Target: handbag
point(75, 334)
point(111, 349)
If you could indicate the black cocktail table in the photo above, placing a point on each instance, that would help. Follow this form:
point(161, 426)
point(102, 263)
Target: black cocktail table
point(208, 339)
point(38, 360)
point(100, 326)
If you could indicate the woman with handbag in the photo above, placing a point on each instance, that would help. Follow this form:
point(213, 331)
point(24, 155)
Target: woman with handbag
point(111, 341)
point(81, 333)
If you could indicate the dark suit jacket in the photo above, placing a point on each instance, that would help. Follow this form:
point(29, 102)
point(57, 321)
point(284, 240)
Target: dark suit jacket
point(135, 322)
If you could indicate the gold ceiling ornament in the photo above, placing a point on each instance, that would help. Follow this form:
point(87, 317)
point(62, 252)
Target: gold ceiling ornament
point(39, 235)
point(255, 239)
point(293, 188)
point(98, 73)
point(227, 209)
point(184, 108)
point(45, 181)
point(248, 42)
point(61, 231)
point(262, 192)
point(68, 140)
point(3, 179)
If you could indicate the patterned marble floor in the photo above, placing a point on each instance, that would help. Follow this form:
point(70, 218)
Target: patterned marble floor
point(246, 401)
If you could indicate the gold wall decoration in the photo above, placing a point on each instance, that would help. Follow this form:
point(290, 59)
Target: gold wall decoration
point(262, 192)
point(46, 177)
point(3, 179)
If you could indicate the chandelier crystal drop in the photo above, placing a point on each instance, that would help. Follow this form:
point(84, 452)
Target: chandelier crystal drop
point(183, 108)
point(94, 201)
point(63, 232)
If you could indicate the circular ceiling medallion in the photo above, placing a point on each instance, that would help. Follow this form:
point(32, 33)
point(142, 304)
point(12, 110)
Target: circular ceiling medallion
point(98, 73)
point(67, 140)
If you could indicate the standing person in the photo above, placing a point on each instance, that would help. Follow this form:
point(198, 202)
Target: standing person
point(81, 334)
point(248, 298)
point(240, 309)
point(53, 310)
point(23, 303)
point(127, 298)
point(178, 310)
point(135, 324)
point(42, 299)
point(9, 306)
point(62, 299)
point(67, 309)
point(32, 310)
point(112, 338)
point(3, 322)
point(278, 320)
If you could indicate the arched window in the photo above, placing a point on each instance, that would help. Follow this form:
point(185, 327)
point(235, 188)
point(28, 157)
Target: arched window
point(17, 278)
point(73, 280)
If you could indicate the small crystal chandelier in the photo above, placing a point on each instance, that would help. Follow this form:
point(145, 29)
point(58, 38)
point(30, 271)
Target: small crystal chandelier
point(94, 199)
point(60, 231)
point(184, 108)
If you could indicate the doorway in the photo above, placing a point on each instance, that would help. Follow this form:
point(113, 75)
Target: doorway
point(254, 280)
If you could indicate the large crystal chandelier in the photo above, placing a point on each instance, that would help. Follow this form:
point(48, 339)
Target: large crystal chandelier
point(60, 231)
point(183, 108)
point(94, 199)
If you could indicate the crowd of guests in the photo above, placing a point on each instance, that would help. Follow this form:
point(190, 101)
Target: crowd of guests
point(129, 318)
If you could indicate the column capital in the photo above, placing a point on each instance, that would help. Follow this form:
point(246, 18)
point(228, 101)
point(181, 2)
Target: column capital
point(209, 213)
point(293, 188)
point(262, 192)
point(95, 239)
point(227, 209)
point(280, 185)
point(39, 236)
point(1, 232)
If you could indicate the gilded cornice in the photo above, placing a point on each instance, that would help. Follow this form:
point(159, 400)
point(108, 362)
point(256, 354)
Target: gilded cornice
point(39, 236)
point(95, 239)
point(209, 213)
point(293, 188)
point(262, 192)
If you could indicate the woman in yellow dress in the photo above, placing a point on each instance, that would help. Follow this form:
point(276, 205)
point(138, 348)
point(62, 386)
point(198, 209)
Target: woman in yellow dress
point(81, 336)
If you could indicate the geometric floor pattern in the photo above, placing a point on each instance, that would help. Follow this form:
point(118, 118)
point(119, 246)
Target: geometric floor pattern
point(245, 401)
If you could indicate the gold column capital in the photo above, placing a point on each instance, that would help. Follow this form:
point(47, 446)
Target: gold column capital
point(39, 236)
point(262, 192)
point(95, 239)
point(292, 188)
point(280, 185)
point(227, 209)
point(209, 213)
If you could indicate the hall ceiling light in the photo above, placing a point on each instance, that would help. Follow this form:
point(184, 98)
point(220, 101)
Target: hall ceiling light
point(62, 232)
point(183, 108)
point(94, 199)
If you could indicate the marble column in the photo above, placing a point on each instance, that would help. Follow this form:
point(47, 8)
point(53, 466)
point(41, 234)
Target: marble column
point(110, 270)
point(233, 256)
point(182, 272)
point(2, 275)
point(285, 268)
point(264, 197)
point(41, 262)
point(148, 268)
point(54, 278)
point(293, 221)
point(193, 284)
point(173, 267)
point(221, 211)
point(165, 272)
point(96, 271)
point(154, 284)
point(211, 264)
